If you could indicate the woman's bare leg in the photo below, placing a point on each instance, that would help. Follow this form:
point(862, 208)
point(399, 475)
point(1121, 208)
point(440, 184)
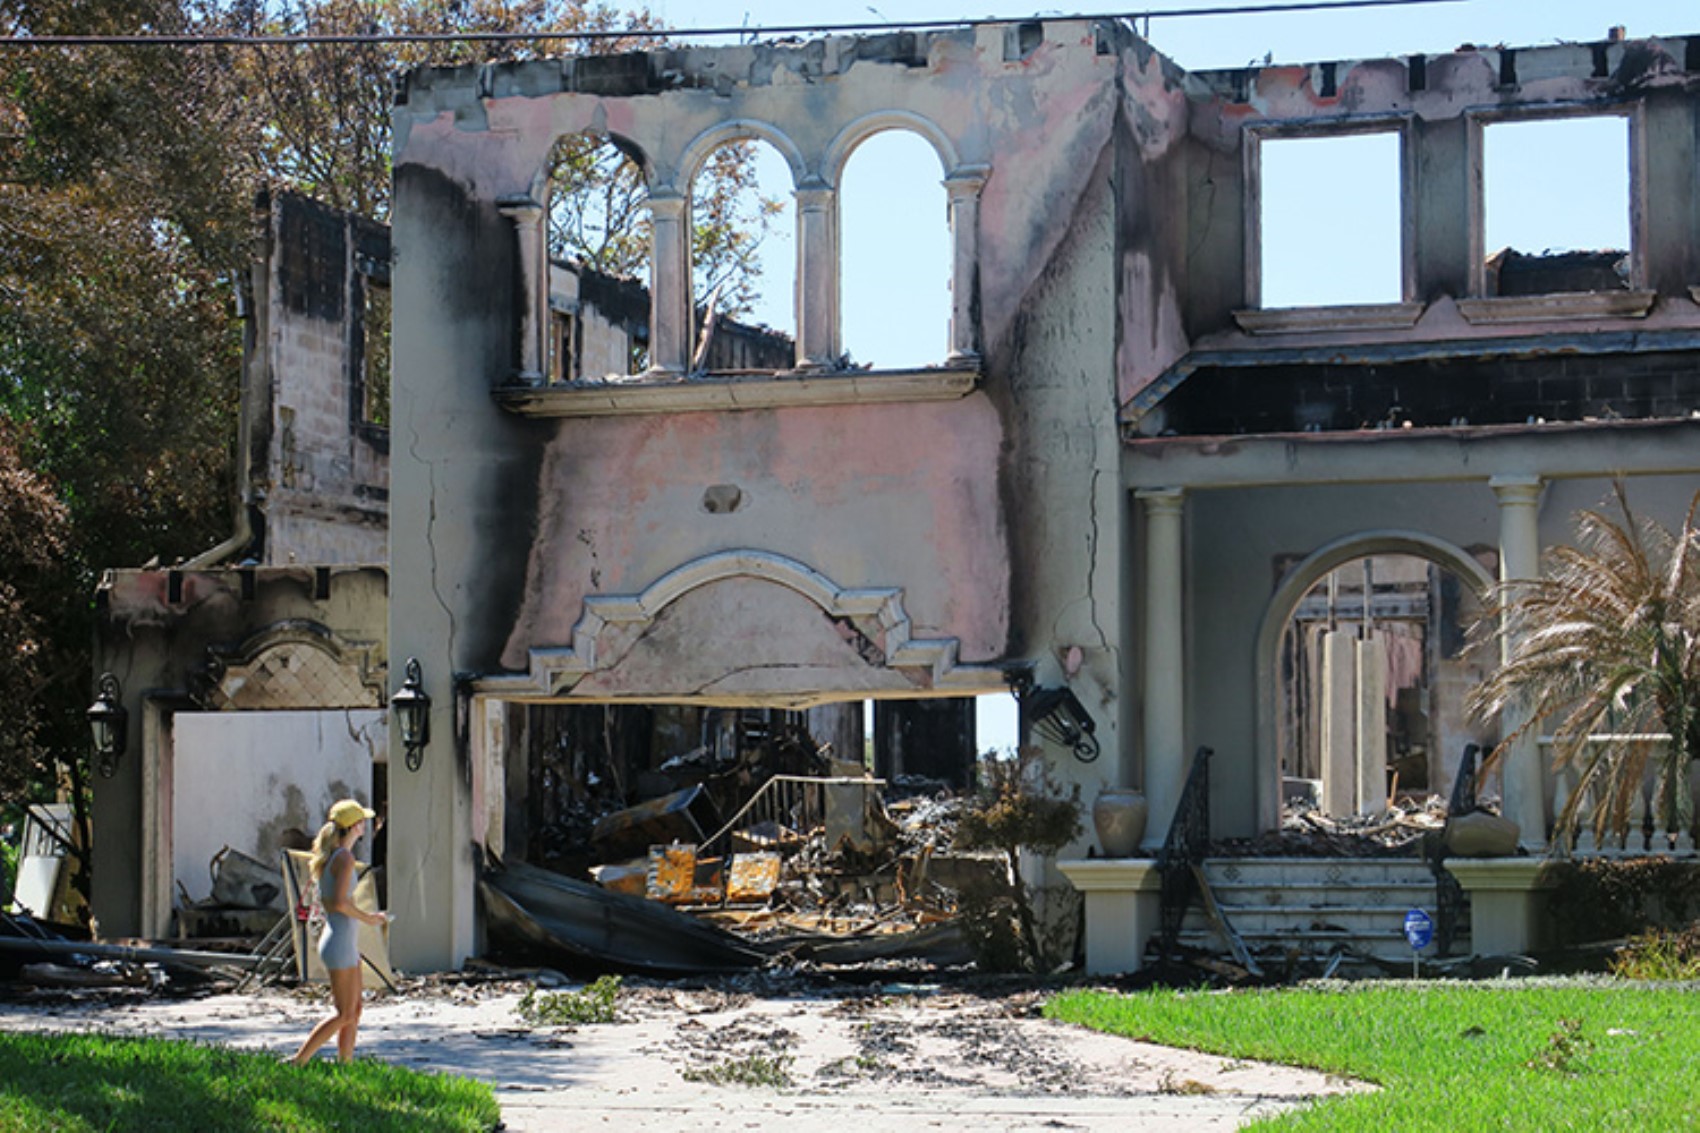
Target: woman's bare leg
point(350, 1014)
point(345, 995)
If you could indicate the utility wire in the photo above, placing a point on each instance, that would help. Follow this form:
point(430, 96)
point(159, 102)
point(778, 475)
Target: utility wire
point(313, 39)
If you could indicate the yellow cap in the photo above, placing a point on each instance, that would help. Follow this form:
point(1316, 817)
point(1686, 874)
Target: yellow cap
point(346, 812)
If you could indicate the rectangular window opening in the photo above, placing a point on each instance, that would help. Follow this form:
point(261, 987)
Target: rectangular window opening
point(375, 352)
point(1556, 205)
point(1329, 220)
point(565, 366)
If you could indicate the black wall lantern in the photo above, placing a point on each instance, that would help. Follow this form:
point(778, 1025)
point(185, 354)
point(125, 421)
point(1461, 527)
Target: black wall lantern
point(412, 711)
point(1056, 714)
point(108, 724)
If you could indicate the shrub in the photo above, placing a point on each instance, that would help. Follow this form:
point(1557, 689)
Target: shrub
point(1610, 898)
point(596, 1003)
point(1019, 807)
point(1660, 956)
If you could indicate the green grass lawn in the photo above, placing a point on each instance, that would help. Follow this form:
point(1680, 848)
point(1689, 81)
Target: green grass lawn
point(82, 1082)
point(1605, 1056)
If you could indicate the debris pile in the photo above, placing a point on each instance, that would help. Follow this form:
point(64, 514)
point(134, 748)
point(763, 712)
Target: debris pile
point(755, 831)
point(1306, 832)
point(814, 869)
point(246, 901)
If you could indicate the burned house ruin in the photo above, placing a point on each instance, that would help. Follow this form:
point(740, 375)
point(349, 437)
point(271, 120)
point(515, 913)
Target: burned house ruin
point(1127, 471)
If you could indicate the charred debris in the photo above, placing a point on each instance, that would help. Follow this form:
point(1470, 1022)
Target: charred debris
point(670, 840)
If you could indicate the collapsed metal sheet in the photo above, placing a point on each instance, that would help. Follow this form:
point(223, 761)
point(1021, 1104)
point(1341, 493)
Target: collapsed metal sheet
point(546, 911)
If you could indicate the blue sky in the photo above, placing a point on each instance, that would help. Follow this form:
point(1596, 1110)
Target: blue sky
point(1570, 189)
point(895, 321)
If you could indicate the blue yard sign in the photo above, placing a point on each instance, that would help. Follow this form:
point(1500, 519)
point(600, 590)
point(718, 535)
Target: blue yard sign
point(1419, 928)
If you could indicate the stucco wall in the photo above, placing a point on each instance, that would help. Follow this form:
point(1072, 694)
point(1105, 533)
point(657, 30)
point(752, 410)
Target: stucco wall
point(996, 515)
point(321, 470)
point(157, 631)
point(1236, 538)
point(246, 778)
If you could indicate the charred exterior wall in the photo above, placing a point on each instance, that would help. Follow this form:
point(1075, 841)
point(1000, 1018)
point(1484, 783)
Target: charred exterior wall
point(319, 454)
point(788, 539)
point(1499, 393)
point(1038, 497)
point(183, 641)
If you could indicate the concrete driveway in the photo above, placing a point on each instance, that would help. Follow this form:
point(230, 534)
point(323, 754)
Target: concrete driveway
point(891, 1057)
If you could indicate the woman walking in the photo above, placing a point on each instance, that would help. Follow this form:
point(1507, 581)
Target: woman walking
point(333, 869)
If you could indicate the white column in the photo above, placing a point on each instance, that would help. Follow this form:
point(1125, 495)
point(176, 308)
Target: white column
point(669, 282)
point(1371, 740)
point(1339, 723)
point(1520, 559)
point(816, 299)
point(1162, 669)
point(963, 188)
point(528, 217)
point(433, 882)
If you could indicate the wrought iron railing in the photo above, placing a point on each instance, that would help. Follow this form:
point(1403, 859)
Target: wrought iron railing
point(1185, 847)
point(1450, 904)
point(795, 803)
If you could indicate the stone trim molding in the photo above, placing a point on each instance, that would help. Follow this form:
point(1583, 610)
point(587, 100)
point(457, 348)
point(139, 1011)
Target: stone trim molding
point(1316, 320)
point(1557, 307)
point(553, 672)
point(695, 395)
point(364, 662)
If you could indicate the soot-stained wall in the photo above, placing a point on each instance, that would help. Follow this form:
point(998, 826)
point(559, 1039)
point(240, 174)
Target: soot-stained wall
point(973, 526)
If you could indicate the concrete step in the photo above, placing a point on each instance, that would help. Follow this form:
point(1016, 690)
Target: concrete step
point(1314, 871)
point(1316, 904)
point(1258, 896)
point(1368, 920)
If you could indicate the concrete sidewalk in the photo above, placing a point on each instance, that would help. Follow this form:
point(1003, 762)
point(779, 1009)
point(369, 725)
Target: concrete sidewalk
point(912, 1059)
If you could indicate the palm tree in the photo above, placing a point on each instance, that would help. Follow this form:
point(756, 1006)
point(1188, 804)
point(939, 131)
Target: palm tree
point(1607, 643)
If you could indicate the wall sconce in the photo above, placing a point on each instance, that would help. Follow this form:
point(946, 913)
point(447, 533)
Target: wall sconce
point(412, 708)
point(1058, 715)
point(108, 724)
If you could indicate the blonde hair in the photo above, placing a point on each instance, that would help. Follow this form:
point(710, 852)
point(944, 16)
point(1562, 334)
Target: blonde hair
point(325, 844)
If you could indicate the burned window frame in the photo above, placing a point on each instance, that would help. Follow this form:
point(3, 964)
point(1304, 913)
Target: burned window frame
point(566, 341)
point(1253, 136)
point(1477, 122)
point(369, 270)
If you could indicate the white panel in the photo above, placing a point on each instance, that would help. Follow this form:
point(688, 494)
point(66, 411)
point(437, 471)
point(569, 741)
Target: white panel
point(244, 778)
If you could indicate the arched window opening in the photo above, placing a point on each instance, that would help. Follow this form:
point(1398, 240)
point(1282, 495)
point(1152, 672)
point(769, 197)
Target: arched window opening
point(599, 238)
point(1373, 677)
point(896, 253)
point(743, 262)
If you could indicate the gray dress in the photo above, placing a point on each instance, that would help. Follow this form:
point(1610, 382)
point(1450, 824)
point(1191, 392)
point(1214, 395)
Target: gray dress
point(339, 946)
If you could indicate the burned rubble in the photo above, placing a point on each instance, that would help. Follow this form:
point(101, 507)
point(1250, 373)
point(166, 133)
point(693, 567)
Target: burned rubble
point(757, 846)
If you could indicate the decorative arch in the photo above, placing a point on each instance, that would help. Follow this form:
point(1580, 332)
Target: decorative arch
point(865, 127)
point(697, 152)
point(630, 148)
point(869, 612)
point(1285, 600)
point(291, 664)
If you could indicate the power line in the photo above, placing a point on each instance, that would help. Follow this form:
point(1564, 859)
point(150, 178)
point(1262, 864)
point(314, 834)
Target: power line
point(593, 35)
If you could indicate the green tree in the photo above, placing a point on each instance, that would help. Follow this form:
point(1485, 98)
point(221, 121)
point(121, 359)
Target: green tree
point(122, 224)
point(323, 127)
point(34, 526)
point(1607, 642)
point(127, 176)
point(322, 111)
